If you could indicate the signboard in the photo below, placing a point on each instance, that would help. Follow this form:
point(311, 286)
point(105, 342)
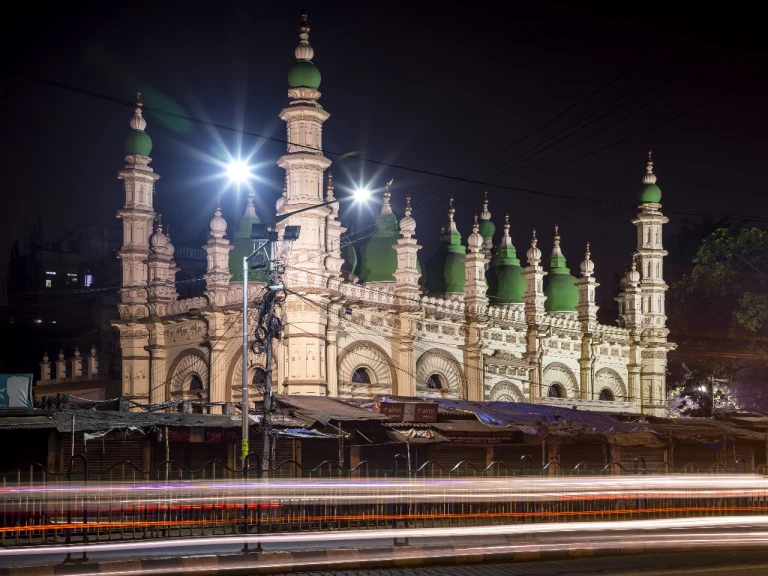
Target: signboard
point(15, 391)
point(407, 411)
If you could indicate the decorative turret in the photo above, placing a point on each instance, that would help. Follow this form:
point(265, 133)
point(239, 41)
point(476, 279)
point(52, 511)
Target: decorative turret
point(242, 245)
point(475, 287)
point(587, 285)
point(137, 215)
point(407, 248)
point(378, 261)
point(445, 271)
point(534, 297)
point(487, 229)
point(506, 284)
point(161, 288)
point(562, 294)
point(217, 273)
point(633, 299)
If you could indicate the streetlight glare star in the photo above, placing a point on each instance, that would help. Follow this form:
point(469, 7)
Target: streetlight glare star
point(361, 194)
point(239, 171)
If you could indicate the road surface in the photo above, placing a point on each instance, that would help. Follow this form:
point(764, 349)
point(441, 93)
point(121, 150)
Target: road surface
point(693, 564)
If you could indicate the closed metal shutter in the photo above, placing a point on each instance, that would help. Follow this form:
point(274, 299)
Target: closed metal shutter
point(590, 455)
point(104, 454)
point(314, 453)
point(695, 457)
point(519, 457)
point(653, 458)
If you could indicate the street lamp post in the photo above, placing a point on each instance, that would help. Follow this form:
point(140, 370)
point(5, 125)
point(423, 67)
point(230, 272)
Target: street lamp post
point(268, 236)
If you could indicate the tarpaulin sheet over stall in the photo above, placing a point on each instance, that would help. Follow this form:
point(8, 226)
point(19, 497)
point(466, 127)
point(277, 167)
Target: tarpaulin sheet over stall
point(530, 418)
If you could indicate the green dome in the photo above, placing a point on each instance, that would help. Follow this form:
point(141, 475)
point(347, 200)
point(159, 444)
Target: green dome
point(560, 287)
point(446, 269)
point(243, 246)
point(378, 259)
point(506, 284)
point(304, 74)
point(138, 142)
point(487, 228)
point(650, 193)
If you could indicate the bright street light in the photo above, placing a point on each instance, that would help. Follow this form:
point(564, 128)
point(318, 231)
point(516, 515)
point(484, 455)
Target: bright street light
point(238, 171)
point(361, 194)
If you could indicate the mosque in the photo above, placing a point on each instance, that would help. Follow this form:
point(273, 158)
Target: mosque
point(481, 321)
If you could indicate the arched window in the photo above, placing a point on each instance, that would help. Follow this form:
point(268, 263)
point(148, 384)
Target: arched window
point(556, 391)
point(435, 382)
point(195, 384)
point(606, 394)
point(259, 377)
point(361, 376)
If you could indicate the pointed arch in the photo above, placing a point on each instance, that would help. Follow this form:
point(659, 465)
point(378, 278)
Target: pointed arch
point(438, 374)
point(559, 375)
point(506, 391)
point(256, 362)
point(609, 379)
point(379, 372)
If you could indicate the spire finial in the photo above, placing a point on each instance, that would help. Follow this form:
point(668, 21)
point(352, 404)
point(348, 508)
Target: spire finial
point(304, 51)
point(533, 238)
point(218, 203)
point(485, 214)
point(475, 225)
point(634, 262)
point(168, 231)
point(139, 103)
point(138, 122)
point(408, 204)
point(588, 254)
point(557, 235)
point(329, 190)
point(507, 226)
point(587, 266)
point(387, 193)
point(451, 209)
point(650, 177)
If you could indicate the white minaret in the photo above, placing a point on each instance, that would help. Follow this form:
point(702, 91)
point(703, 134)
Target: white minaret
point(475, 287)
point(161, 288)
point(304, 166)
point(650, 263)
point(650, 250)
point(137, 215)
point(307, 360)
point(407, 248)
point(218, 247)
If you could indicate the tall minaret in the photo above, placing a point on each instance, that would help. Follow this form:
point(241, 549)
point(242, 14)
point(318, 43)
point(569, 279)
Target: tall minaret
point(650, 262)
point(138, 215)
point(587, 315)
point(407, 249)
point(307, 361)
point(304, 165)
point(217, 272)
point(650, 250)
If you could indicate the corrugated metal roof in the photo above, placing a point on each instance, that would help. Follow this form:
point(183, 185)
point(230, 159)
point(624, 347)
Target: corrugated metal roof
point(324, 409)
point(27, 423)
point(92, 421)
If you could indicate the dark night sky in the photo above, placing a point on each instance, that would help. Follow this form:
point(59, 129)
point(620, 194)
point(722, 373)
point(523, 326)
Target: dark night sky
point(434, 87)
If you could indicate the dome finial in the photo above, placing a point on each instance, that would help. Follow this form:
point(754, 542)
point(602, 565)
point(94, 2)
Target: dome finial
point(451, 209)
point(485, 214)
point(650, 177)
point(329, 190)
point(475, 225)
point(218, 225)
point(633, 276)
point(138, 122)
point(407, 223)
point(507, 226)
point(386, 209)
point(138, 100)
point(159, 223)
point(250, 209)
point(304, 51)
point(408, 204)
point(587, 266)
point(534, 254)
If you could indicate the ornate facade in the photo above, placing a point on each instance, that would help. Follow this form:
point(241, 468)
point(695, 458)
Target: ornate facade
point(473, 323)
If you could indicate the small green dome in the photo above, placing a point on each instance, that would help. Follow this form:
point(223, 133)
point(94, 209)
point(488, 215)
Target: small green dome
point(138, 142)
point(304, 74)
point(650, 193)
point(487, 228)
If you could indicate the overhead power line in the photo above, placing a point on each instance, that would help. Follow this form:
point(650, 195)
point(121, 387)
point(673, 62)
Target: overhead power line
point(422, 171)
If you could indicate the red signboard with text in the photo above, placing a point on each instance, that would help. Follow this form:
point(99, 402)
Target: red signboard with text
point(407, 411)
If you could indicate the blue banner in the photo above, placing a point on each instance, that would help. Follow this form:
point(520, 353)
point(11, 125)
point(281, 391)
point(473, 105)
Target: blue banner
point(15, 391)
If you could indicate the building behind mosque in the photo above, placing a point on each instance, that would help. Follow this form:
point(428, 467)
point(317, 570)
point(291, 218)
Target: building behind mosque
point(481, 320)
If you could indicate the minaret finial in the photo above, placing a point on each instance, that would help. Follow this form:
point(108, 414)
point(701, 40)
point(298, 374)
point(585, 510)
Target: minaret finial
point(451, 209)
point(408, 204)
point(587, 266)
point(304, 51)
point(475, 225)
point(533, 238)
point(507, 226)
point(138, 122)
point(159, 222)
point(139, 104)
point(650, 177)
point(329, 190)
point(556, 252)
point(168, 231)
point(588, 254)
point(485, 214)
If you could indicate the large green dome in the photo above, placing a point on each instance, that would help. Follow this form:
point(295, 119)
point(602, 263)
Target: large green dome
point(378, 259)
point(446, 269)
point(139, 143)
point(650, 193)
point(506, 284)
point(304, 74)
point(561, 292)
